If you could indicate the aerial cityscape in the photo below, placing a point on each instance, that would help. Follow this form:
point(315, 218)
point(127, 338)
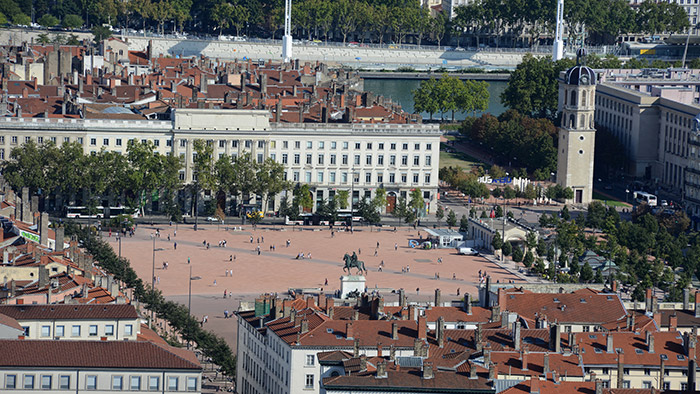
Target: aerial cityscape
point(350, 196)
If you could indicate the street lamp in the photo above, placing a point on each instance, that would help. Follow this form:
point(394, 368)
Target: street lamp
point(503, 257)
point(189, 303)
point(352, 199)
point(153, 273)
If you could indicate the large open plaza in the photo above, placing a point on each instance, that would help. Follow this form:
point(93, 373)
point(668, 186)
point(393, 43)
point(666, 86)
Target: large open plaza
point(277, 270)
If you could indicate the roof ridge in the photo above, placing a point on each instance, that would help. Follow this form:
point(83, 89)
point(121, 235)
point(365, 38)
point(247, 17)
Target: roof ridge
point(168, 350)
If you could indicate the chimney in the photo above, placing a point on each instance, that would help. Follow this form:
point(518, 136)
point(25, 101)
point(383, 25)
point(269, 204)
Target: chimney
point(441, 331)
point(402, 298)
point(697, 293)
point(599, 386)
point(647, 300)
point(203, 84)
point(472, 370)
point(686, 299)
point(356, 315)
point(379, 349)
point(392, 353)
point(555, 337)
point(422, 328)
point(692, 375)
point(428, 370)
point(572, 340)
point(292, 315)
point(278, 110)
point(26, 209)
point(673, 322)
point(609, 343)
point(286, 311)
point(477, 338)
point(523, 357)
point(394, 331)
point(363, 362)
point(417, 346)
point(349, 331)
point(44, 229)
point(620, 369)
point(43, 276)
point(487, 354)
point(516, 335)
point(492, 371)
point(545, 367)
point(304, 326)
point(356, 347)
point(381, 370)
point(331, 313)
point(468, 303)
point(662, 371)
point(437, 297)
point(650, 342)
point(535, 385)
point(310, 302)
point(263, 84)
point(495, 313)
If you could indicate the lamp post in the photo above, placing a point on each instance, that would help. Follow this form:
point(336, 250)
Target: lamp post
point(352, 198)
point(503, 257)
point(153, 274)
point(189, 303)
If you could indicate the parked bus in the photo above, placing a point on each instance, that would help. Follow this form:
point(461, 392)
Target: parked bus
point(648, 198)
point(99, 212)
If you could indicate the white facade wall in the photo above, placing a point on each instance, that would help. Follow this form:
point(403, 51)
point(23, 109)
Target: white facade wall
point(415, 147)
point(120, 329)
point(72, 380)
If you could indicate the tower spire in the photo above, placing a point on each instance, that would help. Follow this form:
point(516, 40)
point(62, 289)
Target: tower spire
point(287, 39)
point(558, 47)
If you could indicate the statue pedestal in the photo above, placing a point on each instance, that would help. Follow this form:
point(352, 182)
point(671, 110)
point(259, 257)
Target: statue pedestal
point(350, 283)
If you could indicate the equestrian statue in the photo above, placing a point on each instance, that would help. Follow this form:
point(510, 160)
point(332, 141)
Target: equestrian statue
point(351, 261)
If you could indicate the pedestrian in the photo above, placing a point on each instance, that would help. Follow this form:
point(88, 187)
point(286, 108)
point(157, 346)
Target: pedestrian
point(258, 252)
point(359, 251)
point(408, 268)
point(157, 279)
point(230, 257)
point(207, 245)
point(226, 314)
point(224, 293)
point(251, 239)
point(175, 233)
point(380, 268)
point(289, 242)
point(188, 259)
point(175, 245)
point(263, 239)
point(204, 243)
point(454, 276)
point(258, 239)
point(417, 290)
point(377, 244)
point(326, 282)
point(206, 318)
point(458, 291)
point(309, 255)
point(214, 282)
point(396, 246)
point(332, 234)
point(375, 252)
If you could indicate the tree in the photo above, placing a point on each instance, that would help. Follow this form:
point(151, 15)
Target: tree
point(346, 16)
point(507, 248)
point(417, 203)
point(221, 14)
point(497, 241)
point(342, 197)
point(463, 224)
point(517, 254)
point(48, 20)
point(21, 20)
point(100, 33)
point(425, 97)
point(564, 213)
point(451, 219)
point(379, 201)
point(368, 211)
point(586, 273)
point(439, 214)
point(3, 19)
point(533, 86)
point(302, 197)
point(43, 39)
point(528, 259)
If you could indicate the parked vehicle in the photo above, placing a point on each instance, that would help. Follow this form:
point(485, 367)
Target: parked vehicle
point(467, 251)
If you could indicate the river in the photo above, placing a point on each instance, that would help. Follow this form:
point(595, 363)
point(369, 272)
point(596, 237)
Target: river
point(400, 90)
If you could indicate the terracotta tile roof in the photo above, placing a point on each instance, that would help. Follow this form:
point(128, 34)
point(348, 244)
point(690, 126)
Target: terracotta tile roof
point(685, 318)
point(579, 307)
point(593, 348)
point(333, 356)
point(88, 354)
point(455, 314)
point(550, 387)
point(511, 363)
point(69, 312)
point(10, 322)
point(408, 380)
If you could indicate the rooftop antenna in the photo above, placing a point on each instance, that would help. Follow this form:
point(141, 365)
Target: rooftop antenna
point(287, 39)
point(558, 47)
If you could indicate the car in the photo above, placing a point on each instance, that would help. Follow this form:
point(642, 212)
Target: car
point(664, 203)
point(467, 252)
point(460, 49)
point(212, 219)
point(607, 187)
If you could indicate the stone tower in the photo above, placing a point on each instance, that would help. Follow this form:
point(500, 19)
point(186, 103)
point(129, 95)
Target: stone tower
point(577, 133)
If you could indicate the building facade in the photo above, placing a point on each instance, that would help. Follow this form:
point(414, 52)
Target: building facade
point(327, 156)
point(577, 132)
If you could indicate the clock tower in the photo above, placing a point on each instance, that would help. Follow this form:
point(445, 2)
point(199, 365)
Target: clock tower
point(577, 132)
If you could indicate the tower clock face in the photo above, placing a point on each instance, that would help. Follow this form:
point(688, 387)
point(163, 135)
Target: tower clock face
point(584, 79)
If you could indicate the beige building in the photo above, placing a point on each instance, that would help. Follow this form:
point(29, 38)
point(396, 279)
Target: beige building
point(397, 157)
point(577, 132)
point(99, 367)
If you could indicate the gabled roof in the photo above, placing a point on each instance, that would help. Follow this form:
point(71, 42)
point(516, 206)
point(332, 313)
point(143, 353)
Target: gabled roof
point(583, 306)
point(10, 322)
point(69, 312)
point(90, 354)
point(408, 380)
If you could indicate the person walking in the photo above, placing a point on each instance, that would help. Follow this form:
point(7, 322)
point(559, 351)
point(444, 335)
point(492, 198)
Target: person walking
point(175, 245)
point(188, 259)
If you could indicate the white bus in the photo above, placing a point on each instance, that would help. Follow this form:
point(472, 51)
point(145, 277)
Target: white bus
point(99, 212)
point(648, 198)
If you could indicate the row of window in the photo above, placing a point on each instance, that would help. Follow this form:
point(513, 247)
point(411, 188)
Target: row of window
point(333, 179)
point(76, 330)
point(357, 159)
point(118, 382)
point(345, 145)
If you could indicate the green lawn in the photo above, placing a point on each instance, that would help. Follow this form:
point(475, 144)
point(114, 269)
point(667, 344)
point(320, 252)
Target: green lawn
point(458, 159)
point(606, 201)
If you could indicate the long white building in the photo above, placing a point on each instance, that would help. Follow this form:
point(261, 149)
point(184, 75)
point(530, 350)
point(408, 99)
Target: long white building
point(326, 156)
